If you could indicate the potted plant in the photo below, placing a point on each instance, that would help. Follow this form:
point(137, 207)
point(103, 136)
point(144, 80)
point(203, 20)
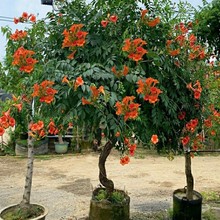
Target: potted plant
point(25, 209)
point(61, 146)
point(24, 83)
point(100, 92)
point(190, 60)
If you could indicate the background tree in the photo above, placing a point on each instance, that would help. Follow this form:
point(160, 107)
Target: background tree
point(208, 18)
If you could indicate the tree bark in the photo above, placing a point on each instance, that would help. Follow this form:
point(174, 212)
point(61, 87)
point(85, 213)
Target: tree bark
point(28, 180)
point(189, 176)
point(107, 183)
point(60, 138)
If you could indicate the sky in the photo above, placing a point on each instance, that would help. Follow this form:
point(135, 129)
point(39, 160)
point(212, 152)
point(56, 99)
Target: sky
point(15, 8)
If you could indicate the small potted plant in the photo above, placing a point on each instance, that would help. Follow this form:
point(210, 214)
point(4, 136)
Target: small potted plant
point(55, 128)
point(190, 64)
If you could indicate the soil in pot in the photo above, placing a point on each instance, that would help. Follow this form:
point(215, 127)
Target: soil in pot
point(15, 212)
point(117, 207)
point(184, 209)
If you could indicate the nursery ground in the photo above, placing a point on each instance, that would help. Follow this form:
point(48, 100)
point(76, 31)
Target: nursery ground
point(64, 183)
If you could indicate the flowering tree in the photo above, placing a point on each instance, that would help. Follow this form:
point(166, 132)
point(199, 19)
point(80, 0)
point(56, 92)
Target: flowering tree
point(148, 82)
point(22, 79)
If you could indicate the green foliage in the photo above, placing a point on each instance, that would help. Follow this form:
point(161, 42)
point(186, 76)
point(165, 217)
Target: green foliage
point(94, 61)
point(16, 212)
point(115, 197)
point(208, 25)
point(102, 195)
point(209, 215)
point(211, 196)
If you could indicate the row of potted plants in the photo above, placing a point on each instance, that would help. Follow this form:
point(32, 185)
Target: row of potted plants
point(131, 72)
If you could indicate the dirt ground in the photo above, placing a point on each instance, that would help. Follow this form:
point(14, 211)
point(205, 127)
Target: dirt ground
point(64, 183)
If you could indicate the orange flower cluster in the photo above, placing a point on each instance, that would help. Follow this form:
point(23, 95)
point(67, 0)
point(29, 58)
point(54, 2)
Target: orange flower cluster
point(17, 102)
point(174, 53)
point(197, 142)
point(215, 112)
point(95, 94)
point(184, 39)
point(208, 122)
point(127, 108)
point(25, 17)
point(150, 22)
point(120, 73)
point(6, 121)
point(185, 140)
point(18, 106)
point(182, 115)
point(154, 139)
point(154, 22)
point(76, 83)
point(183, 28)
point(131, 147)
point(149, 90)
point(196, 88)
point(197, 52)
point(191, 125)
point(44, 91)
point(135, 49)
point(23, 59)
point(73, 38)
point(124, 160)
point(112, 18)
point(18, 35)
point(37, 130)
point(52, 129)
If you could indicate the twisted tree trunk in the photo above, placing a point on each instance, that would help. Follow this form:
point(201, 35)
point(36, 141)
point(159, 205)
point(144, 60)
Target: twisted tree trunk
point(189, 176)
point(107, 183)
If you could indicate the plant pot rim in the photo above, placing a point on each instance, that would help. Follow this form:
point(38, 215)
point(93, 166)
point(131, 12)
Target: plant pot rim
point(36, 218)
point(96, 190)
point(65, 142)
point(37, 143)
point(183, 190)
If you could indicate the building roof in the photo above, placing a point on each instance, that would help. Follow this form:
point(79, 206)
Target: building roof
point(4, 95)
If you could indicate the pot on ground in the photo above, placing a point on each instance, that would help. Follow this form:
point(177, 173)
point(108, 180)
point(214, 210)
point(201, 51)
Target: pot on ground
point(109, 210)
point(184, 209)
point(10, 209)
point(40, 147)
point(61, 148)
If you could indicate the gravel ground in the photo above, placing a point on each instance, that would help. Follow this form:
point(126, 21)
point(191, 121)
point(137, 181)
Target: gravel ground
point(64, 183)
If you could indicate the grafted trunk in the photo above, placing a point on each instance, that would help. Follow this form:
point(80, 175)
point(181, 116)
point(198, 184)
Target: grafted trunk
point(28, 181)
point(107, 183)
point(189, 176)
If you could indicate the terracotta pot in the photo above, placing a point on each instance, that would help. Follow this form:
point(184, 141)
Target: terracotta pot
point(106, 210)
point(184, 209)
point(41, 217)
